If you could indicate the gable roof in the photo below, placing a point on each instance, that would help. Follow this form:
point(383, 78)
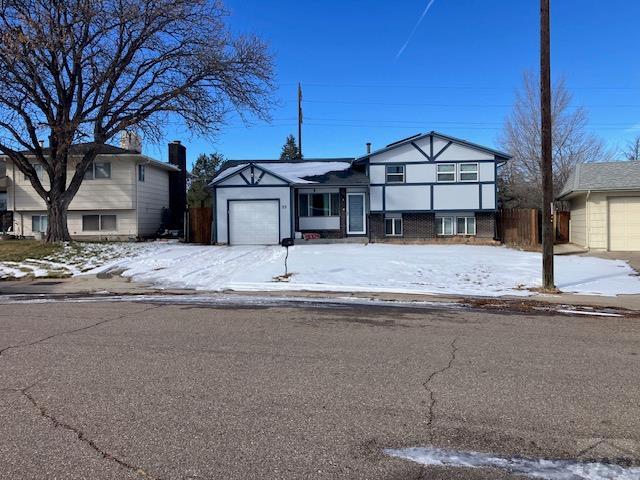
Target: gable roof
point(420, 136)
point(603, 176)
point(293, 172)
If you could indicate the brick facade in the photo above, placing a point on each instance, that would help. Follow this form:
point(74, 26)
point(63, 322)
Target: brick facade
point(418, 225)
point(486, 225)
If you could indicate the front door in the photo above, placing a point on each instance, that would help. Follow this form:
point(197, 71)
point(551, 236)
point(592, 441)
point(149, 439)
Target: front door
point(356, 222)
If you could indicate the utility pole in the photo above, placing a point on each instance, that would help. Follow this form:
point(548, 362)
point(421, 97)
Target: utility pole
point(547, 163)
point(300, 120)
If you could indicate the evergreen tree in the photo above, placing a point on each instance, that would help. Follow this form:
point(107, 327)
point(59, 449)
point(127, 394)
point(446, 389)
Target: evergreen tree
point(204, 170)
point(290, 149)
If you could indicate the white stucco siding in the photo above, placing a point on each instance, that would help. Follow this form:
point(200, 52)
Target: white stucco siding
point(488, 196)
point(487, 171)
point(377, 174)
point(420, 173)
point(249, 193)
point(234, 179)
point(403, 154)
point(456, 197)
point(375, 198)
point(408, 197)
point(153, 196)
point(457, 152)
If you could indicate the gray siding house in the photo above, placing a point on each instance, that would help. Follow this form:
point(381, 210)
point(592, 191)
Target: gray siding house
point(429, 186)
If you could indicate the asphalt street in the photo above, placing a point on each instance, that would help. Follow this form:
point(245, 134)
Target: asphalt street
point(113, 390)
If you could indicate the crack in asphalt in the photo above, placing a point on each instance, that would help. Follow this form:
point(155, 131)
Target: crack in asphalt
point(86, 327)
point(81, 435)
point(426, 384)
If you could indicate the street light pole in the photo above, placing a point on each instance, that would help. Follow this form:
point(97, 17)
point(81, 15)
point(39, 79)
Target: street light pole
point(547, 163)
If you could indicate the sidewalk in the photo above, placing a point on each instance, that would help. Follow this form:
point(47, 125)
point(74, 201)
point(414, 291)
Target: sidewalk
point(116, 285)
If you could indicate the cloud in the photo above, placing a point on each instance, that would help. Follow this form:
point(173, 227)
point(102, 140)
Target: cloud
point(406, 44)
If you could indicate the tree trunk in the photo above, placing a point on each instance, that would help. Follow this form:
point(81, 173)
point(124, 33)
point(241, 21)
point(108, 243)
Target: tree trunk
point(57, 230)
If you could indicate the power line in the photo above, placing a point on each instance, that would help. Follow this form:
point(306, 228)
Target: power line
point(447, 87)
point(461, 105)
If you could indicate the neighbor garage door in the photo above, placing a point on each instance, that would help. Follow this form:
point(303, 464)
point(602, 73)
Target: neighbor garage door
point(624, 223)
point(255, 222)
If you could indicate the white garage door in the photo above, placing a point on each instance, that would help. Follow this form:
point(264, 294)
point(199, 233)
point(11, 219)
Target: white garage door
point(255, 222)
point(624, 224)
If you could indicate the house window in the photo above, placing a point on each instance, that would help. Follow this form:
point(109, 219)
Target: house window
point(3, 201)
point(319, 204)
point(141, 173)
point(393, 226)
point(446, 172)
point(39, 223)
point(98, 171)
point(98, 223)
point(444, 226)
point(468, 172)
point(39, 168)
point(465, 226)
point(395, 173)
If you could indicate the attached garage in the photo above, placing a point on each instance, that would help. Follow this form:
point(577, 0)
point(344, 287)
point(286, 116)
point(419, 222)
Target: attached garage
point(605, 205)
point(624, 224)
point(254, 222)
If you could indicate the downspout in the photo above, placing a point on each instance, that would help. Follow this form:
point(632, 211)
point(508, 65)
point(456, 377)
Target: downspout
point(135, 182)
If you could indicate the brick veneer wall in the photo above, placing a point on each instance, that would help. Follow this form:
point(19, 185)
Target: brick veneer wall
point(485, 225)
point(416, 226)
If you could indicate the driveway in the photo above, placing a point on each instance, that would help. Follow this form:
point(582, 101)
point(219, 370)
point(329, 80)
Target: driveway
point(632, 258)
point(112, 390)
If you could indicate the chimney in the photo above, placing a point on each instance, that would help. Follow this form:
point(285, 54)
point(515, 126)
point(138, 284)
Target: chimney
point(177, 185)
point(368, 148)
point(130, 141)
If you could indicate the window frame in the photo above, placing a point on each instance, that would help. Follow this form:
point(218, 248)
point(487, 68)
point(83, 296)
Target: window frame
point(440, 225)
point(40, 171)
point(100, 228)
point(438, 173)
point(92, 171)
point(330, 208)
point(466, 226)
point(394, 231)
point(141, 172)
point(395, 174)
point(460, 172)
point(40, 217)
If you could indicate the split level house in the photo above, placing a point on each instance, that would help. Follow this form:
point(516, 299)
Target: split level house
point(429, 186)
point(122, 197)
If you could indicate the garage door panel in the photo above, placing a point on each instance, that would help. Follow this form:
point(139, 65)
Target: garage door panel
point(624, 223)
point(254, 222)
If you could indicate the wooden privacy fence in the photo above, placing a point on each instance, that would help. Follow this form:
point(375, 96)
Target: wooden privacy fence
point(199, 221)
point(520, 226)
point(561, 221)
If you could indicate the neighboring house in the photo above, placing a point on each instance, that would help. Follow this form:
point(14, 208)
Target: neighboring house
point(604, 199)
point(122, 196)
point(420, 188)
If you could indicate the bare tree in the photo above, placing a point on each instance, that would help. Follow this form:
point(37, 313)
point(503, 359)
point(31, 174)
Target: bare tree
point(632, 152)
point(572, 143)
point(84, 70)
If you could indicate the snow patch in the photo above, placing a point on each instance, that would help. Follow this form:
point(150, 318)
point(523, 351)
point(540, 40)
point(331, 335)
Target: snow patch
point(294, 172)
point(531, 467)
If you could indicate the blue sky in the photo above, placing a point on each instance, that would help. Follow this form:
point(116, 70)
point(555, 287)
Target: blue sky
point(458, 74)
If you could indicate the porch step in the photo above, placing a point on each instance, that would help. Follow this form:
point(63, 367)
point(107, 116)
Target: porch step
point(322, 241)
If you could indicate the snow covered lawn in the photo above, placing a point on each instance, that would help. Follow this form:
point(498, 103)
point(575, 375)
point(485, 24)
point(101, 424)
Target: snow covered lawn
point(435, 269)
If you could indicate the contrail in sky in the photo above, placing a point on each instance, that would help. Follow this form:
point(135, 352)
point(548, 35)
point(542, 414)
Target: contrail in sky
point(406, 44)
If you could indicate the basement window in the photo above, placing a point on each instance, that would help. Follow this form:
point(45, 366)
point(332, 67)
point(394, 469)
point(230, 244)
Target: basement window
point(393, 226)
point(39, 223)
point(98, 223)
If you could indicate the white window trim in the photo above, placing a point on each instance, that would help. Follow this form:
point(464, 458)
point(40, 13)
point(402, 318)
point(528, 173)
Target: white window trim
point(141, 172)
point(460, 172)
point(40, 217)
point(454, 227)
point(466, 226)
point(393, 227)
point(386, 174)
point(446, 173)
point(440, 221)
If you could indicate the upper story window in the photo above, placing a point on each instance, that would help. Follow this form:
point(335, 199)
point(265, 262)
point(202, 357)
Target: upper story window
point(446, 172)
point(395, 173)
point(319, 204)
point(98, 170)
point(39, 168)
point(141, 173)
point(468, 172)
point(3, 201)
